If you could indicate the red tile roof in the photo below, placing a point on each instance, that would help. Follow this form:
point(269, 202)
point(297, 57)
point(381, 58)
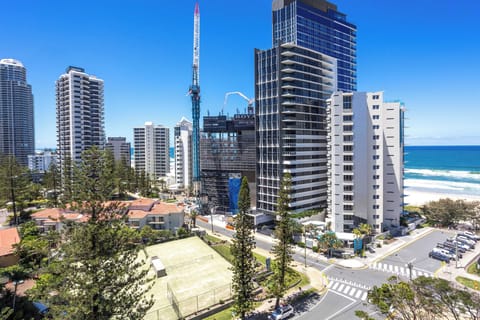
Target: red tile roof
point(165, 208)
point(8, 237)
point(50, 213)
point(137, 214)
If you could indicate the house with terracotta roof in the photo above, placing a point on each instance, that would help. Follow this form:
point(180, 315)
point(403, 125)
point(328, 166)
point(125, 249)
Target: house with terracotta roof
point(159, 216)
point(8, 238)
point(54, 218)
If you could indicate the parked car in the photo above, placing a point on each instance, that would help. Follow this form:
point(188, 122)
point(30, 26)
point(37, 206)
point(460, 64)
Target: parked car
point(459, 244)
point(439, 256)
point(452, 246)
point(282, 312)
point(450, 250)
point(444, 252)
point(471, 235)
point(469, 242)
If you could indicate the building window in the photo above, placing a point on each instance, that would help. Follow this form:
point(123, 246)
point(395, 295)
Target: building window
point(376, 137)
point(347, 168)
point(376, 187)
point(347, 207)
point(347, 158)
point(347, 197)
point(376, 157)
point(376, 107)
point(376, 147)
point(376, 127)
point(347, 118)
point(347, 178)
point(376, 206)
point(348, 128)
point(376, 197)
point(347, 188)
point(348, 148)
point(376, 97)
point(376, 177)
point(376, 167)
point(376, 117)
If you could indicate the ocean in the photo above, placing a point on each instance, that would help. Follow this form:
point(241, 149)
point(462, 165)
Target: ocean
point(449, 170)
point(443, 169)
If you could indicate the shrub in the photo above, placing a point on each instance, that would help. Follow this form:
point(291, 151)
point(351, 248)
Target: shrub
point(301, 244)
point(315, 249)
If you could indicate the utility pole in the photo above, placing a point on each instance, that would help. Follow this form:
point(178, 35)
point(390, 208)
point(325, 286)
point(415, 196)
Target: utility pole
point(305, 247)
point(410, 267)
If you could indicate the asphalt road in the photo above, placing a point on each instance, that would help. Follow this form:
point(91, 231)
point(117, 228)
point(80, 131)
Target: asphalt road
point(417, 253)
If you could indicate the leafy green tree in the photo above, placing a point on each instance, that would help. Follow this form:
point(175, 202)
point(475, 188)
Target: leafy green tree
point(282, 250)
point(243, 260)
point(424, 298)
point(16, 274)
point(100, 274)
point(52, 182)
point(329, 241)
point(448, 212)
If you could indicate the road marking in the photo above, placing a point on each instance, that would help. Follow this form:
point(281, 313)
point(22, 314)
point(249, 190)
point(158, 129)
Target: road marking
point(352, 292)
point(335, 285)
point(358, 294)
point(396, 269)
point(344, 308)
point(341, 287)
point(390, 267)
point(329, 285)
point(364, 297)
point(347, 288)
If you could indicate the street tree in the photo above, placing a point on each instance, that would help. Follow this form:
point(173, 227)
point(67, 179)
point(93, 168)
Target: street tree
point(329, 241)
point(447, 212)
point(52, 183)
point(99, 272)
point(283, 249)
point(243, 260)
point(14, 180)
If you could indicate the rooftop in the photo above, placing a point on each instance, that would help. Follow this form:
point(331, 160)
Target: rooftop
point(11, 62)
point(8, 237)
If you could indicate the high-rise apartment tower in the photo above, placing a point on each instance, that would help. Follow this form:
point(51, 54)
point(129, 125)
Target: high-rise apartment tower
point(80, 114)
point(17, 135)
point(151, 149)
point(183, 154)
point(365, 161)
point(120, 148)
point(319, 26)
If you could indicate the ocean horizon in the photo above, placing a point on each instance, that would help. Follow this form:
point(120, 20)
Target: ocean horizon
point(450, 170)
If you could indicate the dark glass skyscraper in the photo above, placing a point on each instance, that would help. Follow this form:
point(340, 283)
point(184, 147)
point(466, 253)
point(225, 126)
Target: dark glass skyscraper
point(313, 55)
point(317, 25)
point(16, 111)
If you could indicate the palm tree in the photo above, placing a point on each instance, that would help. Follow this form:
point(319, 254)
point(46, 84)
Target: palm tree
point(193, 218)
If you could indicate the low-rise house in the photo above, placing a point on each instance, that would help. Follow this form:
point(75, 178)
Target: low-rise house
point(8, 239)
point(160, 216)
point(54, 218)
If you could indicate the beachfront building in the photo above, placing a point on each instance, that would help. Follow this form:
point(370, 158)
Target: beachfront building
point(183, 154)
point(313, 55)
point(151, 150)
point(17, 134)
point(365, 161)
point(120, 148)
point(80, 114)
point(292, 84)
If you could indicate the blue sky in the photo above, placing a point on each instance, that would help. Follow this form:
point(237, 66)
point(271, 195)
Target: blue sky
point(424, 53)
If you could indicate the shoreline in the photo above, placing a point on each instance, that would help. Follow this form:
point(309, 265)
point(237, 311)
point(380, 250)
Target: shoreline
point(415, 197)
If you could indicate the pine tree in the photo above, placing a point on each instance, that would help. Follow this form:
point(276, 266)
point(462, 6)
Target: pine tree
point(282, 250)
point(100, 274)
point(14, 180)
point(241, 249)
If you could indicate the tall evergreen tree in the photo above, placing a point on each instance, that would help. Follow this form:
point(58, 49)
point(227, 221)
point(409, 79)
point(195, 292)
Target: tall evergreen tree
point(52, 183)
point(243, 263)
point(282, 250)
point(14, 180)
point(100, 274)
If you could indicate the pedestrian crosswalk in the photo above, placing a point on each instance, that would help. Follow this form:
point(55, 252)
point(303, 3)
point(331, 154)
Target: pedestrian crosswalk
point(352, 289)
point(399, 270)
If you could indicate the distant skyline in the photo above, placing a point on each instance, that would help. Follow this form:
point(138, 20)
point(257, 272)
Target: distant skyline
point(424, 53)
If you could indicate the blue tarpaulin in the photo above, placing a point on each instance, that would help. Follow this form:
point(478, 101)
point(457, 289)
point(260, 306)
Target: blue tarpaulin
point(233, 191)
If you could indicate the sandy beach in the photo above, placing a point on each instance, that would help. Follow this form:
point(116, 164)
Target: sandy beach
point(416, 197)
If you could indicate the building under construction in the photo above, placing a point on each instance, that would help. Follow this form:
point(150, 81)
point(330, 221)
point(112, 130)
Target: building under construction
point(228, 154)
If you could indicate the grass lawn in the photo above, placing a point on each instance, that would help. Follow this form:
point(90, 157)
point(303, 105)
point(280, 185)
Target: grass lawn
point(473, 284)
point(472, 269)
point(227, 313)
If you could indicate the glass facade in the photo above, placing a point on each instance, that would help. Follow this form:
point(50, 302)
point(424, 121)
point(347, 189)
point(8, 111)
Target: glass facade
point(319, 26)
point(292, 84)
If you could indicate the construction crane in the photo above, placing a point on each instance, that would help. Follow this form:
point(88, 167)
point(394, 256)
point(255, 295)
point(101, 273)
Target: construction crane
point(250, 101)
point(195, 95)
